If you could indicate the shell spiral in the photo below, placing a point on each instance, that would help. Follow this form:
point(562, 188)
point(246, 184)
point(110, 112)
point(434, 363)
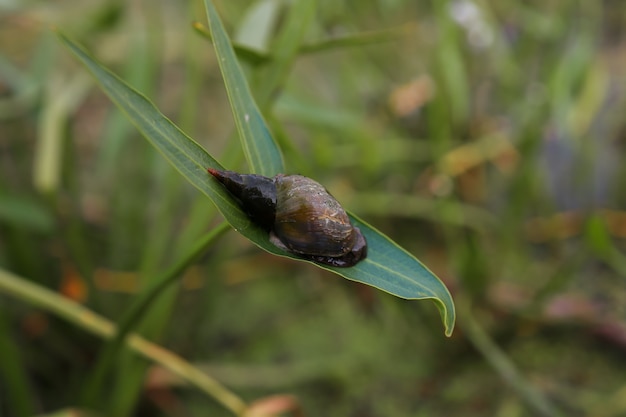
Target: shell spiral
point(309, 220)
point(300, 216)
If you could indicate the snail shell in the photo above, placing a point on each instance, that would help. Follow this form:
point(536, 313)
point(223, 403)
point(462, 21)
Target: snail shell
point(300, 215)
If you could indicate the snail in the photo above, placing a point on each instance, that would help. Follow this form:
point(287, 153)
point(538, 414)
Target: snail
point(299, 214)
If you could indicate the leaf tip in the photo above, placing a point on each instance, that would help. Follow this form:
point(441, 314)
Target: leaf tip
point(447, 311)
point(449, 320)
point(449, 331)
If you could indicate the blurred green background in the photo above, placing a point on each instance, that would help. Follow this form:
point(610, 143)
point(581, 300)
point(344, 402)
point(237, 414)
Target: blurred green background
point(485, 137)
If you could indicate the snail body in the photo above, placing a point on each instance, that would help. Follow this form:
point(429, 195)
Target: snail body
point(299, 214)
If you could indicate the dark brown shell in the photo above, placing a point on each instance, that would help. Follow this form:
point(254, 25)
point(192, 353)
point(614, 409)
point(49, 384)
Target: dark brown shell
point(309, 220)
point(301, 216)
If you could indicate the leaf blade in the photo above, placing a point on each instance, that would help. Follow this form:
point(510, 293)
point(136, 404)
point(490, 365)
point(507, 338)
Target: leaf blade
point(186, 155)
point(408, 278)
point(387, 267)
point(262, 152)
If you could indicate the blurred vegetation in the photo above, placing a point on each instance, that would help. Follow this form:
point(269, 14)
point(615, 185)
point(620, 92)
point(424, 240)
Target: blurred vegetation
point(486, 137)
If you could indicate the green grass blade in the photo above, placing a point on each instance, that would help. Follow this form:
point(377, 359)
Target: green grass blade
point(180, 150)
point(285, 48)
point(13, 373)
point(22, 289)
point(502, 363)
point(256, 28)
point(354, 40)
point(390, 268)
point(243, 52)
point(139, 308)
point(256, 57)
point(62, 96)
point(387, 267)
point(262, 153)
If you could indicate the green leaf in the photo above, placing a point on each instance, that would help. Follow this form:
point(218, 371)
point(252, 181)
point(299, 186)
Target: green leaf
point(387, 267)
point(262, 152)
point(257, 57)
point(189, 158)
point(245, 53)
point(257, 24)
point(285, 47)
point(355, 39)
point(392, 269)
point(597, 235)
point(20, 211)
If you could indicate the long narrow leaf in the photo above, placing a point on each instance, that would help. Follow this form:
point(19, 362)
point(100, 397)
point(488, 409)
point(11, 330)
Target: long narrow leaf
point(262, 153)
point(387, 267)
point(285, 46)
point(75, 313)
point(189, 158)
point(257, 57)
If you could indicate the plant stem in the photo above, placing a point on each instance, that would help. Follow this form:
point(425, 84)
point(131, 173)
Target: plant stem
point(502, 363)
point(81, 316)
point(107, 358)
